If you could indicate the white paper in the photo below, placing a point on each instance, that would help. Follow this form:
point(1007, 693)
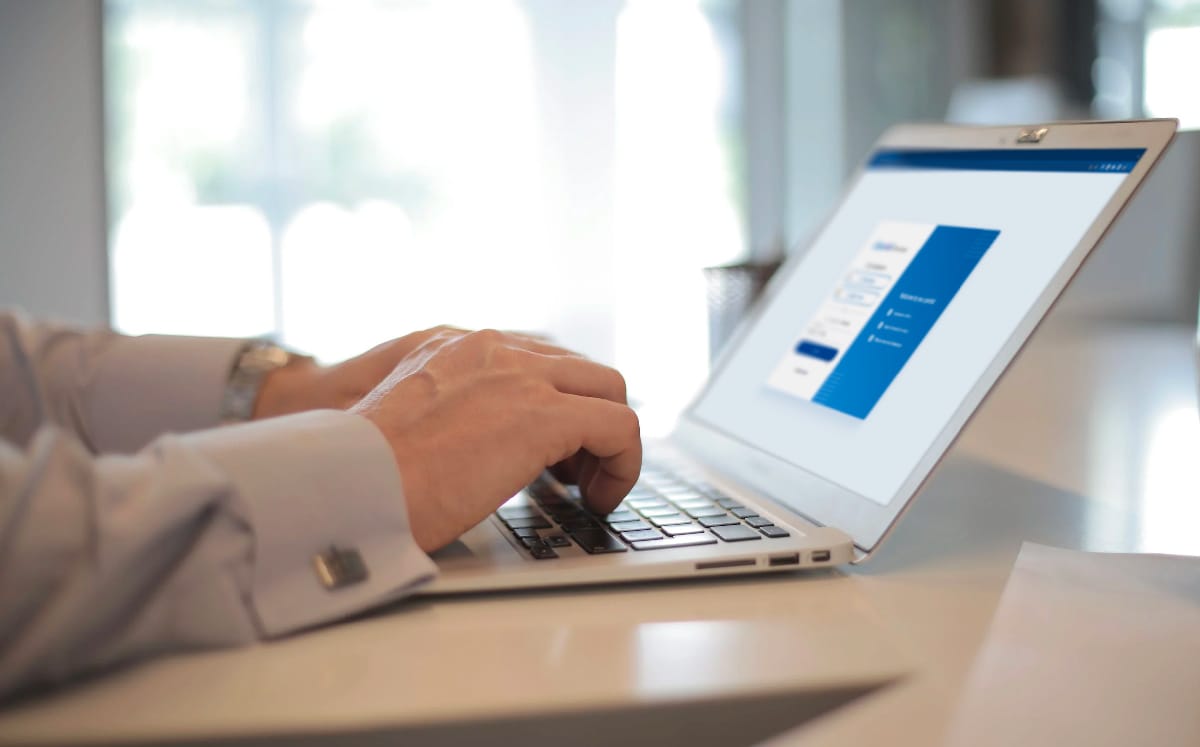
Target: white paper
point(1088, 649)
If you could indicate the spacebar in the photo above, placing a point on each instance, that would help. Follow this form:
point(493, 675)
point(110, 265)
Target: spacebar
point(683, 540)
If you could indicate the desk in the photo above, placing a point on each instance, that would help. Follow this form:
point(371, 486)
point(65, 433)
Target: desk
point(720, 661)
point(1105, 421)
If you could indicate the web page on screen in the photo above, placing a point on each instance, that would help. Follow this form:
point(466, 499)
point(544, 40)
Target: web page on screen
point(900, 305)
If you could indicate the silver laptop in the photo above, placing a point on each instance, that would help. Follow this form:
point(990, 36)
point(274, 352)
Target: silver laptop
point(854, 374)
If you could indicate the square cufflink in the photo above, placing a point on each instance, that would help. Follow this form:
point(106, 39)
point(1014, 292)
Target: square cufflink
point(339, 567)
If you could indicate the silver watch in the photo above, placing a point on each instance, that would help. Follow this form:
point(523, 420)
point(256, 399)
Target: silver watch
point(257, 359)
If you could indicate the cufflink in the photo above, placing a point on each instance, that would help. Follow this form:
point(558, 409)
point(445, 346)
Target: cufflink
point(338, 567)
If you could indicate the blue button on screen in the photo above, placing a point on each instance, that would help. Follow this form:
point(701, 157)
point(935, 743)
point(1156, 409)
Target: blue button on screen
point(815, 350)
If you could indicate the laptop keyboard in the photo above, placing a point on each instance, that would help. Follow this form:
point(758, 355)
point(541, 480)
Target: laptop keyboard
point(662, 511)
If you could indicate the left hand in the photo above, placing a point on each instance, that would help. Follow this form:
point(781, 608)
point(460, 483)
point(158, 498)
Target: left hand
point(306, 385)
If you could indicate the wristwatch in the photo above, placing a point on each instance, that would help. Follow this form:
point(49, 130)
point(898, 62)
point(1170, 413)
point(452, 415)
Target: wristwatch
point(257, 359)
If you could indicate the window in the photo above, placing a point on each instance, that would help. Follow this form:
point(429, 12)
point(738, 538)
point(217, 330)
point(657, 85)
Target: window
point(1148, 50)
point(1172, 58)
point(339, 173)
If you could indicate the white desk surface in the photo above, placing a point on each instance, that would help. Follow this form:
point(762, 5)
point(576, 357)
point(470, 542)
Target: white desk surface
point(1105, 413)
point(1110, 414)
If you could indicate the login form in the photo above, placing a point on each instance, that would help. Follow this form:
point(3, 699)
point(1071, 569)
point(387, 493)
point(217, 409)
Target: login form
point(869, 343)
point(872, 321)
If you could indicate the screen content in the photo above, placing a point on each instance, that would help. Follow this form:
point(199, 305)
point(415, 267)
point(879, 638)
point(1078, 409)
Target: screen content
point(901, 304)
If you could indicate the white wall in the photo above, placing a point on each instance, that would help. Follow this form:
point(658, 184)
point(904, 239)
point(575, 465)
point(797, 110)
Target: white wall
point(52, 210)
point(1147, 268)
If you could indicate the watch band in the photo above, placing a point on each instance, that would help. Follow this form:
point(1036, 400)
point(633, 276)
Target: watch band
point(257, 359)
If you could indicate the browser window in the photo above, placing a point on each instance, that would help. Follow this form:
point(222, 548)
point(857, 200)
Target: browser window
point(877, 335)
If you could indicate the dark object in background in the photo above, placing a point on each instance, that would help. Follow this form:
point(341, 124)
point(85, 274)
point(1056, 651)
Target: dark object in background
point(732, 290)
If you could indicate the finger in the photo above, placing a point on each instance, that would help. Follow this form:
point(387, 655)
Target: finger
point(567, 471)
point(579, 376)
point(589, 465)
point(610, 433)
point(530, 335)
point(542, 347)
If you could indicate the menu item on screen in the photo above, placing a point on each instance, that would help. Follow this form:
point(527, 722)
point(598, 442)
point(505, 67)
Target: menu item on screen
point(876, 316)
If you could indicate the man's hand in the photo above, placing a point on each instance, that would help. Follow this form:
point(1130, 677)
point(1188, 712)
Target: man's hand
point(474, 417)
point(304, 385)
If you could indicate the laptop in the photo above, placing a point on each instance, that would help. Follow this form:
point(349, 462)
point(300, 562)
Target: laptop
point(855, 372)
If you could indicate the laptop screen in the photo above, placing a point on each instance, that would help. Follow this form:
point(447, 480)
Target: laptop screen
point(872, 341)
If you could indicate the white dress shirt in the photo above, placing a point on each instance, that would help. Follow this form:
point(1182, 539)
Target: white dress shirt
point(131, 524)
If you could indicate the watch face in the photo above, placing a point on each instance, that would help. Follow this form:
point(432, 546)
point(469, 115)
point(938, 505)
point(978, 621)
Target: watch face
point(269, 357)
point(241, 392)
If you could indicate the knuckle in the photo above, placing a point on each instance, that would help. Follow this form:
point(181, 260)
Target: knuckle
point(629, 423)
point(619, 384)
point(483, 342)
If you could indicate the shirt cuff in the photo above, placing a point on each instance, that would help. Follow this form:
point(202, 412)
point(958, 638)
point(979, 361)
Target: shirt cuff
point(144, 386)
point(308, 482)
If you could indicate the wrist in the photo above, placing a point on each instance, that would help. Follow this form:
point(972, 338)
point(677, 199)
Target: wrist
point(248, 393)
point(287, 389)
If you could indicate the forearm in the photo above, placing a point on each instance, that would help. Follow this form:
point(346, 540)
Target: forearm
point(115, 393)
point(197, 541)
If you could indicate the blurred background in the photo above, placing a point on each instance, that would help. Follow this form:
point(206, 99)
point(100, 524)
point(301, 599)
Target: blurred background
point(338, 173)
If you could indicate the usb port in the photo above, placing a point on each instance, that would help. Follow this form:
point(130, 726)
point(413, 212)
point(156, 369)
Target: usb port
point(777, 560)
point(820, 556)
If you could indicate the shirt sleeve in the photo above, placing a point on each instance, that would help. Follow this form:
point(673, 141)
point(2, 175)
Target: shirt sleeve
point(197, 541)
point(113, 392)
point(115, 545)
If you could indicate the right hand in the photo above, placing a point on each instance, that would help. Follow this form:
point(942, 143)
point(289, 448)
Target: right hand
point(474, 417)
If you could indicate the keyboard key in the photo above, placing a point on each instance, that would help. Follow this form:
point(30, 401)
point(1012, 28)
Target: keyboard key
point(675, 530)
point(687, 540)
point(700, 513)
point(535, 523)
point(757, 521)
point(730, 503)
point(644, 503)
point(773, 531)
point(617, 516)
point(736, 533)
point(549, 499)
point(525, 532)
point(543, 492)
point(718, 521)
point(542, 551)
point(564, 511)
point(518, 512)
point(582, 522)
point(557, 540)
point(641, 534)
point(665, 510)
point(597, 541)
point(628, 526)
point(669, 519)
point(694, 503)
point(742, 513)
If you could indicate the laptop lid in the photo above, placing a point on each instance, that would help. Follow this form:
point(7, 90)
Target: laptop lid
point(869, 351)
